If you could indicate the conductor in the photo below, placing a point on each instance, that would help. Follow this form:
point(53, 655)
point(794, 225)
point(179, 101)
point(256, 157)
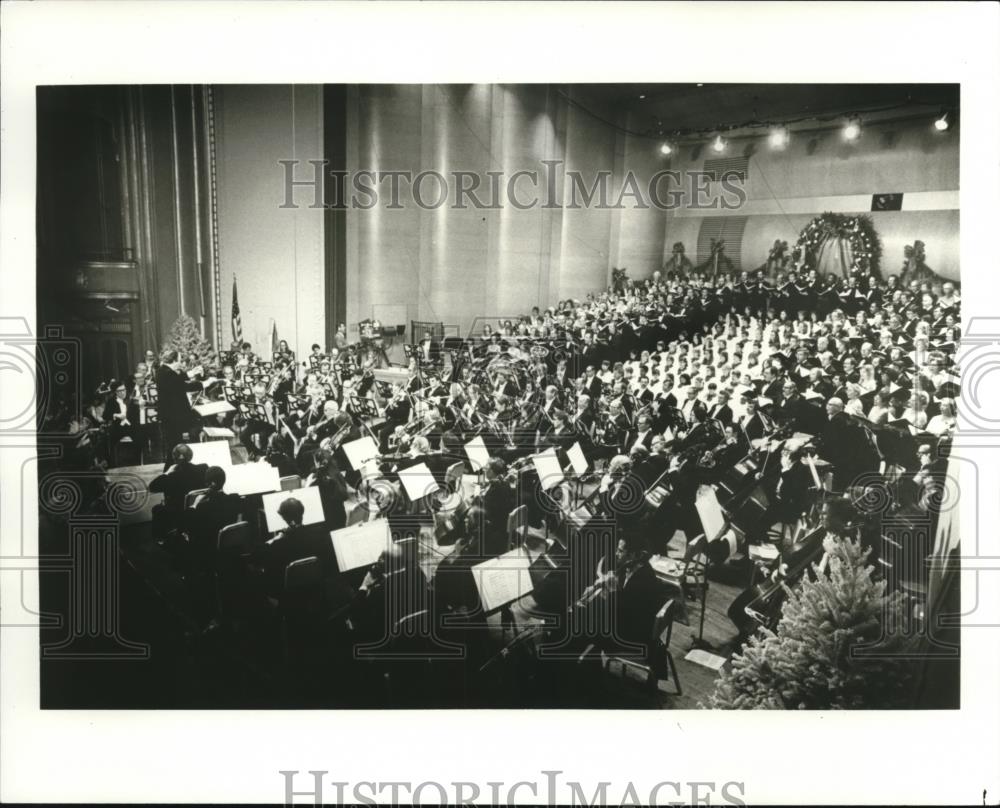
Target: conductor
point(175, 413)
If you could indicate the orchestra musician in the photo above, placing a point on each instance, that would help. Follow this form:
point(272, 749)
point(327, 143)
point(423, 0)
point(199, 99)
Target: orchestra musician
point(122, 415)
point(641, 434)
point(497, 499)
point(428, 415)
point(753, 425)
point(260, 422)
point(396, 413)
point(583, 419)
point(561, 435)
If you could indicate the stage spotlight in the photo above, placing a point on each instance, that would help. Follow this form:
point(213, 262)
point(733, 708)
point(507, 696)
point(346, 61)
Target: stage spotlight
point(852, 130)
point(719, 144)
point(665, 148)
point(942, 123)
point(779, 137)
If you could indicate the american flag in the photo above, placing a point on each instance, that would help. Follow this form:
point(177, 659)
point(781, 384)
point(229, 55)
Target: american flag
point(237, 323)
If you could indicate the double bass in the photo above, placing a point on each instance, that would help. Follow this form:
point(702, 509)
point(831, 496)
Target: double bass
point(760, 605)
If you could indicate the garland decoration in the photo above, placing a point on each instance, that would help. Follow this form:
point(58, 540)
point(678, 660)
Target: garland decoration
point(857, 230)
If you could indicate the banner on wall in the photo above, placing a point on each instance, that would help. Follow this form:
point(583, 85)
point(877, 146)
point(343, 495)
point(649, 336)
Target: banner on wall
point(887, 202)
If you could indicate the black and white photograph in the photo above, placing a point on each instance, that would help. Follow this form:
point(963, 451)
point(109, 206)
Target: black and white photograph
point(597, 396)
point(644, 400)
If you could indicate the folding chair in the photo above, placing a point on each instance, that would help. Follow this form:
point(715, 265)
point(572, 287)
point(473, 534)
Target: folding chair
point(191, 496)
point(235, 540)
point(659, 662)
point(233, 585)
point(291, 482)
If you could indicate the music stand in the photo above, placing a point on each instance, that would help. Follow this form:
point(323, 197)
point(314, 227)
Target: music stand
point(503, 580)
point(478, 454)
point(580, 465)
point(310, 499)
point(361, 544)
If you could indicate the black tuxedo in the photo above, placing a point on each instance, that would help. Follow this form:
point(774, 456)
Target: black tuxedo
point(455, 585)
point(294, 544)
point(844, 443)
point(753, 428)
point(212, 511)
point(508, 389)
point(645, 396)
point(118, 430)
point(562, 440)
point(561, 381)
point(430, 350)
point(801, 414)
point(498, 502)
point(722, 413)
point(594, 387)
point(633, 436)
point(173, 408)
point(175, 486)
point(790, 492)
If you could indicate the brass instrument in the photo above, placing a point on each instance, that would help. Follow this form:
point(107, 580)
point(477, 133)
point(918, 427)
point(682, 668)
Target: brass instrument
point(340, 434)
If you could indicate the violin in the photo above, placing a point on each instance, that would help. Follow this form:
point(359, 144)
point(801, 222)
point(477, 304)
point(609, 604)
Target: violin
point(607, 582)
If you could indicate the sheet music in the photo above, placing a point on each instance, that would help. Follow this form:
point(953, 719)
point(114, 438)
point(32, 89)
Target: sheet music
point(810, 460)
point(252, 478)
point(211, 452)
point(765, 552)
point(550, 473)
point(503, 579)
point(309, 497)
point(213, 408)
point(418, 481)
point(360, 545)
point(477, 453)
point(218, 432)
point(667, 567)
point(709, 512)
point(577, 459)
point(705, 659)
point(360, 451)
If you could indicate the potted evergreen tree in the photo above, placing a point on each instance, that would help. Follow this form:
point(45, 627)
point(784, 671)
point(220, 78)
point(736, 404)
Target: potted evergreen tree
point(840, 644)
point(185, 338)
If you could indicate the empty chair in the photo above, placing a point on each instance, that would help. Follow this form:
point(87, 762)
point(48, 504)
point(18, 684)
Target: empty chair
point(291, 482)
point(235, 539)
point(234, 588)
point(303, 585)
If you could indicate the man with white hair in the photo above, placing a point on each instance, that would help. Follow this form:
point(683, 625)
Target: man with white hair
point(846, 445)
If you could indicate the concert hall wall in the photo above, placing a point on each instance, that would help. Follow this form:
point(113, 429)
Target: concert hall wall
point(459, 266)
point(819, 172)
point(275, 253)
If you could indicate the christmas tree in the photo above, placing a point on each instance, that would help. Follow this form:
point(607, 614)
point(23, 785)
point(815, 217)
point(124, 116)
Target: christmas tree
point(185, 338)
point(838, 646)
